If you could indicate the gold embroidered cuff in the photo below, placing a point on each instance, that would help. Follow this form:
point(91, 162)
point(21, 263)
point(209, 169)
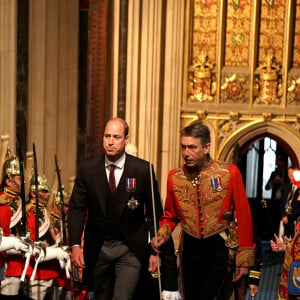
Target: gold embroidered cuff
point(245, 257)
point(165, 231)
point(254, 274)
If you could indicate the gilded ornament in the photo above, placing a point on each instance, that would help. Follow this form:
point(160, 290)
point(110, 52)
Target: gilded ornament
point(269, 86)
point(234, 116)
point(267, 116)
point(201, 86)
point(201, 114)
point(235, 88)
point(232, 241)
point(294, 90)
point(226, 127)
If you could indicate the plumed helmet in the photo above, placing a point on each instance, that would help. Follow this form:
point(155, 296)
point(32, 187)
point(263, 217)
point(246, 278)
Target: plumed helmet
point(42, 183)
point(11, 166)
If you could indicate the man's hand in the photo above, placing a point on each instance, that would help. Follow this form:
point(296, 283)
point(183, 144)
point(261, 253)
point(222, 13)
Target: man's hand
point(157, 242)
point(153, 263)
point(77, 257)
point(253, 290)
point(39, 251)
point(239, 272)
point(285, 220)
point(278, 245)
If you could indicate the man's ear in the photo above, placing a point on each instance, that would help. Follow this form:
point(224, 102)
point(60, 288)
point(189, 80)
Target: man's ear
point(207, 147)
point(7, 181)
point(126, 139)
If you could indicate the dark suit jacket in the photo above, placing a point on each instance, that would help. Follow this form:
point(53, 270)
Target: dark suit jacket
point(88, 205)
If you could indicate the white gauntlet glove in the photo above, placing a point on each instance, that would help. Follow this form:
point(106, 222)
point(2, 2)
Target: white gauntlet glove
point(168, 295)
point(39, 252)
point(56, 253)
point(15, 245)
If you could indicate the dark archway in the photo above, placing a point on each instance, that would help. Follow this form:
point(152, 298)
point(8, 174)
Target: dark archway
point(260, 204)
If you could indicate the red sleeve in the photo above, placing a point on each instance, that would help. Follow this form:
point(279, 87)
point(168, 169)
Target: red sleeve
point(5, 215)
point(171, 215)
point(242, 209)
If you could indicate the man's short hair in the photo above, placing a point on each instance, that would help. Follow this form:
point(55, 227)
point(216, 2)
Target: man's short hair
point(197, 130)
point(125, 125)
point(126, 128)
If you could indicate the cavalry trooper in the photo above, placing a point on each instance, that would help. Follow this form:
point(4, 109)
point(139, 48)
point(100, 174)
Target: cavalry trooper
point(10, 201)
point(43, 266)
point(62, 286)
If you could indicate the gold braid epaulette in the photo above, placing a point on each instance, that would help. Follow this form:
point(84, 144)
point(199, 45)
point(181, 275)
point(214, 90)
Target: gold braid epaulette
point(29, 206)
point(55, 220)
point(3, 199)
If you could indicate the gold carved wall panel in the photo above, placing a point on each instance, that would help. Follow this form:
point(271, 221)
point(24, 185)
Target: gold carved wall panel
point(204, 29)
point(242, 66)
point(272, 29)
point(296, 46)
point(238, 29)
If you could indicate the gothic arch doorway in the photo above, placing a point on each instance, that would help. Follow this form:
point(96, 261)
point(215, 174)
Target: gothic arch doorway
point(246, 135)
point(256, 137)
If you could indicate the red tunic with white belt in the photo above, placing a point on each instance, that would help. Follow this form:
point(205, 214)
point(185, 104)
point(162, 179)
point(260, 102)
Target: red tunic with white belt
point(5, 216)
point(205, 203)
point(16, 263)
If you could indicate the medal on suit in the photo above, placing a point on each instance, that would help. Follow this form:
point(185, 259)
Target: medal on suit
point(216, 184)
point(131, 188)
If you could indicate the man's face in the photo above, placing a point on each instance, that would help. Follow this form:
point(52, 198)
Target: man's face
point(194, 154)
point(12, 186)
point(43, 197)
point(114, 140)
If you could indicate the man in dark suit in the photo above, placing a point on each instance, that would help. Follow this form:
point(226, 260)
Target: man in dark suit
point(112, 203)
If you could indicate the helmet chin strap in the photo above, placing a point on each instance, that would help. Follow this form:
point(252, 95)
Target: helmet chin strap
point(42, 198)
point(15, 184)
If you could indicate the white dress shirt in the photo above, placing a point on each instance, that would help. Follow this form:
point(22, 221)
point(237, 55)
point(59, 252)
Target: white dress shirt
point(119, 167)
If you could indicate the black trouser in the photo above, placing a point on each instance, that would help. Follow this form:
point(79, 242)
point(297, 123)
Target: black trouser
point(204, 266)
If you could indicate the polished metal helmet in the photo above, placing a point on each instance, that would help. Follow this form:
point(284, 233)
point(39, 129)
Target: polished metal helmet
point(42, 183)
point(11, 166)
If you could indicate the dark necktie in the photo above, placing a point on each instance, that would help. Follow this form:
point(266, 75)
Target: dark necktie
point(111, 179)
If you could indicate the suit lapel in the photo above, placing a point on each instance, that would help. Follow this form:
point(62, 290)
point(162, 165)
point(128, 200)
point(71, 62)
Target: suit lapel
point(101, 182)
point(122, 196)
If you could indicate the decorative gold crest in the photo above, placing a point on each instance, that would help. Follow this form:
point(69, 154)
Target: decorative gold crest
point(269, 86)
point(201, 86)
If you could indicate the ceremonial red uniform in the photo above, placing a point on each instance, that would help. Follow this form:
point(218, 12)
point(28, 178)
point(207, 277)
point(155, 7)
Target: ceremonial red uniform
point(16, 263)
point(204, 211)
point(5, 216)
point(206, 204)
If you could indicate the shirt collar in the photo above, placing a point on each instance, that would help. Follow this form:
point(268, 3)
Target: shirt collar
point(118, 163)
